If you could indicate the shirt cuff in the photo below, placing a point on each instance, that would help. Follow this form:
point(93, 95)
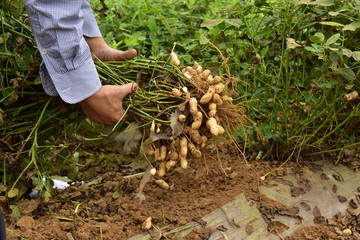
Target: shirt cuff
point(77, 84)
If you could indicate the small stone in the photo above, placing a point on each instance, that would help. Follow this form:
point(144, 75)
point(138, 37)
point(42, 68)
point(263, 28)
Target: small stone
point(352, 212)
point(305, 206)
point(316, 212)
point(249, 229)
point(334, 188)
point(147, 224)
point(338, 178)
point(342, 199)
point(353, 204)
point(338, 231)
point(323, 176)
point(332, 222)
point(347, 232)
point(70, 236)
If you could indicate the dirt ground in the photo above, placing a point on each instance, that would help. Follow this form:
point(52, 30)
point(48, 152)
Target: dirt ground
point(107, 209)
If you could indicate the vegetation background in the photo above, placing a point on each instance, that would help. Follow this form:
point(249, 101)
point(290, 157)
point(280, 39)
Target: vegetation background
point(296, 60)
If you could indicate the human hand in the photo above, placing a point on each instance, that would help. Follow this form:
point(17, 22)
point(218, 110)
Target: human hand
point(105, 106)
point(103, 52)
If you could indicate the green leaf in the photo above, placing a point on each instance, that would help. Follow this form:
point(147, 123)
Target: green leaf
point(334, 14)
point(334, 58)
point(38, 183)
point(63, 179)
point(315, 48)
point(346, 52)
point(332, 39)
point(349, 87)
point(203, 39)
point(333, 24)
point(291, 43)
point(324, 3)
point(347, 73)
point(356, 55)
point(352, 26)
point(235, 22)
point(211, 22)
point(13, 192)
point(64, 218)
point(328, 84)
point(131, 41)
point(317, 38)
point(116, 194)
point(75, 156)
point(15, 210)
point(72, 175)
point(47, 196)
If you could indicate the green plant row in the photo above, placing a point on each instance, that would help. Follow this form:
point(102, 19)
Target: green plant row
point(297, 60)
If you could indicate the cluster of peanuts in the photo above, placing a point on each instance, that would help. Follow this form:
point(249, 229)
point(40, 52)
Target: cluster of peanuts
point(199, 117)
point(213, 97)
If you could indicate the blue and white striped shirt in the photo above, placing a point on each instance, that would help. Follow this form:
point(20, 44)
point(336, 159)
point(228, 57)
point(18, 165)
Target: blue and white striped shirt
point(59, 27)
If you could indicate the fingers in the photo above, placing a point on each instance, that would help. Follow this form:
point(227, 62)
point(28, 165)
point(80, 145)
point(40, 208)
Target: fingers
point(126, 55)
point(126, 89)
point(105, 106)
point(100, 50)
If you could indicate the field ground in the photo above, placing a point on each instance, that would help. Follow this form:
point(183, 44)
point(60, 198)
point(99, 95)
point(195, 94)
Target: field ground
point(289, 202)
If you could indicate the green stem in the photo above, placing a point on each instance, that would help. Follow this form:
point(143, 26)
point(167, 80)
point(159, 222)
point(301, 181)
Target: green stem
point(33, 150)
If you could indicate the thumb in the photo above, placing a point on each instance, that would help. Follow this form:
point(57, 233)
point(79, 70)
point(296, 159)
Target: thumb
point(126, 89)
point(125, 55)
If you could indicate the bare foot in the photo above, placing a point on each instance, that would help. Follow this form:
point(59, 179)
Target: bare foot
point(101, 51)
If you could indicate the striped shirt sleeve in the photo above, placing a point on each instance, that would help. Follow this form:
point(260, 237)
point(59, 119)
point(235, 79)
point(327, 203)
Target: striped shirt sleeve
point(59, 27)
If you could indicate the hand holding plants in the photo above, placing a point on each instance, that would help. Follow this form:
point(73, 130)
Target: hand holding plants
point(105, 106)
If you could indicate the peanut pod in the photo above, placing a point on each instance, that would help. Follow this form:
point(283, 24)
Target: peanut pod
point(213, 80)
point(174, 59)
point(204, 141)
point(194, 151)
point(195, 136)
point(205, 74)
point(162, 184)
point(214, 128)
point(183, 147)
point(170, 164)
point(176, 92)
point(217, 99)
point(182, 118)
point(212, 108)
point(162, 169)
point(208, 95)
point(219, 88)
point(162, 154)
point(183, 161)
point(198, 117)
point(193, 106)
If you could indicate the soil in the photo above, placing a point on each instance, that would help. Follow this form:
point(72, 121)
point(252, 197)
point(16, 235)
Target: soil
point(107, 209)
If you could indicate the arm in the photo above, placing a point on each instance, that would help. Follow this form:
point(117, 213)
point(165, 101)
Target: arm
point(67, 62)
point(68, 69)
